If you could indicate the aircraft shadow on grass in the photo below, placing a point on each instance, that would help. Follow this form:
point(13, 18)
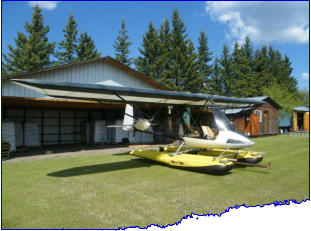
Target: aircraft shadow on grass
point(116, 166)
point(101, 168)
point(248, 169)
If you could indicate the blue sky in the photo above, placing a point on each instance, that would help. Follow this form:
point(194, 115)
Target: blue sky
point(285, 25)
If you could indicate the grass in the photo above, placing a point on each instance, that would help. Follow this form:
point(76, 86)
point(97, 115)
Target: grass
point(111, 191)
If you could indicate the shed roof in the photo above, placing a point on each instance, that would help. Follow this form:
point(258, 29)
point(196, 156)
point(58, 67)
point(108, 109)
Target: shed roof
point(304, 109)
point(106, 59)
point(268, 100)
point(237, 110)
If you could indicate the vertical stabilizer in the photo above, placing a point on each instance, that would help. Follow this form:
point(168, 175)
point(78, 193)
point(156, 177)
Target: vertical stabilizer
point(128, 121)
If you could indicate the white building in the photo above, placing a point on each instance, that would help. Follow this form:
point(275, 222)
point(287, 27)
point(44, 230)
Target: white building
point(41, 120)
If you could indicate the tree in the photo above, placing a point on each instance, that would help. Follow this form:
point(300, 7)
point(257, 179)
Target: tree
point(13, 61)
point(281, 70)
point(216, 85)
point(192, 81)
point(121, 46)
point(33, 50)
point(86, 48)
point(243, 83)
point(204, 57)
point(67, 47)
point(281, 95)
point(37, 49)
point(261, 69)
point(164, 60)
point(248, 51)
point(286, 75)
point(183, 58)
point(179, 47)
point(147, 62)
point(304, 96)
point(225, 63)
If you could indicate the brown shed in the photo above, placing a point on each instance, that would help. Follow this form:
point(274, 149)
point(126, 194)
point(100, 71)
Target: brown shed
point(256, 121)
point(301, 119)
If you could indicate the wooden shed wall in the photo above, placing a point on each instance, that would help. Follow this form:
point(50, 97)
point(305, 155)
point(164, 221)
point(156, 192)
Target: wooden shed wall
point(306, 121)
point(244, 123)
point(271, 126)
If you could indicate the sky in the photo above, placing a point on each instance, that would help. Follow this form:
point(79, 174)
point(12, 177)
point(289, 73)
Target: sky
point(284, 25)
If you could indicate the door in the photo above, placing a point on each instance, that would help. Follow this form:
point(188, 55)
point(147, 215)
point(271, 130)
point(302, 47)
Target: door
point(306, 121)
point(254, 127)
point(265, 123)
point(295, 121)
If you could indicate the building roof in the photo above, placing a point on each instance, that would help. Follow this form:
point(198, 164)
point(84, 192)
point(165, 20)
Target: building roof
point(106, 59)
point(237, 110)
point(304, 109)
point(251, 107)
point(268, 100)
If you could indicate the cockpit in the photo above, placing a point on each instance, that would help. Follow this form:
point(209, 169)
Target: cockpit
point(209, 125)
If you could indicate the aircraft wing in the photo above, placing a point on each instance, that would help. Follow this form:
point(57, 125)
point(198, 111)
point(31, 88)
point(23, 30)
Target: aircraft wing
point(124, 94)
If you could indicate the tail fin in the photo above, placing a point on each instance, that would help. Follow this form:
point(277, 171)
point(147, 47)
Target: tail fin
point(128, 120)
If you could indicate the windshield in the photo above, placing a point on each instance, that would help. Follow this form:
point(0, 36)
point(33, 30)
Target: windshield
point(222, 122)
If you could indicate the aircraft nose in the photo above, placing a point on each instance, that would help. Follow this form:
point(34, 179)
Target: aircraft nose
point(251, 142)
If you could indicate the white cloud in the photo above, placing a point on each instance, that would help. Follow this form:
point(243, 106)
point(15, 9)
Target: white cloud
point(48, 5)
point(305, 75)
point(263, 21)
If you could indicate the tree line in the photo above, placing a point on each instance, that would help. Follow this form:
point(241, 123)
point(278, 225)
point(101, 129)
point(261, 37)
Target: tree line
point(168, 56)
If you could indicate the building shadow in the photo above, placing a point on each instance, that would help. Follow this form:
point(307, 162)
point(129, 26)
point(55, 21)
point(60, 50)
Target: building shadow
point(100, 168)
point(63, 148)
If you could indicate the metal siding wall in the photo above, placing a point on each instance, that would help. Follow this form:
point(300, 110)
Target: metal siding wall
point(50, 123)
point(81, 118)
point(84, 73)
point(67, 127)
point(16, 116)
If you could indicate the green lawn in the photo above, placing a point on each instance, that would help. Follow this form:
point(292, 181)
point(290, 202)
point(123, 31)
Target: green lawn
point(111, 191)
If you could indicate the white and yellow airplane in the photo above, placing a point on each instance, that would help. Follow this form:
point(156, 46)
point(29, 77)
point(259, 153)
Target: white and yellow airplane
point(214, 148)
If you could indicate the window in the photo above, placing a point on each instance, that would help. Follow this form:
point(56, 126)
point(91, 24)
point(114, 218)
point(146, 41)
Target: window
point(258, 112)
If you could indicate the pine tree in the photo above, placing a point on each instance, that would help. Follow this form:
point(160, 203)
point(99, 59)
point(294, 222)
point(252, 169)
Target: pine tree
point(179, 47)
point(236, 80)
point(121, 46)
point(248, 51)
point(164, 60)
point(275, 62)
point(192, 81)
point(67, 47)
point(37, 50)
point(281, 70)
point(13, 61)
point(204, 57)
point(244, 83)
point(216, 85)
point(261, 68)
point(225, 63)
point(32, 52)
point(147, 63)
point(286, 75)
point(183, 58)
point(86, 48)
